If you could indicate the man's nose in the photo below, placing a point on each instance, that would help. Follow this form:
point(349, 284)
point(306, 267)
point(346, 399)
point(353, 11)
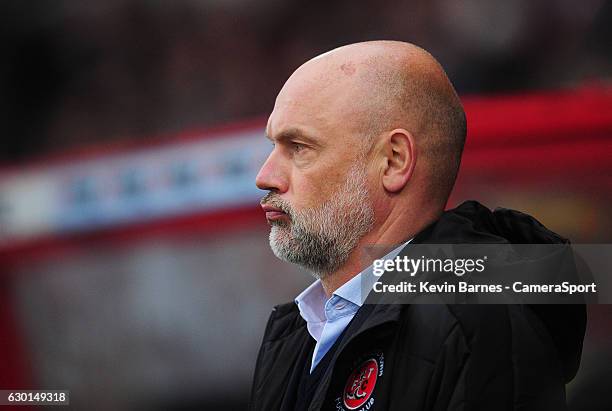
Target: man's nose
point(271, 176)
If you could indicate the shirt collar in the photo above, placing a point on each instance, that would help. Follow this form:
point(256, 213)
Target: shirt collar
point(351, 290)
point(311, 301)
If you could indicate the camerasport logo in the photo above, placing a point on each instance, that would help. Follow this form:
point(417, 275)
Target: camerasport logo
point(359, 387)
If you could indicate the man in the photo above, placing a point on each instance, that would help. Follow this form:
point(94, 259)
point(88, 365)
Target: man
point(367, 141)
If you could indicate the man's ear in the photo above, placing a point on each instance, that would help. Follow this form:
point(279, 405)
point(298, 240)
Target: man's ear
point(400, 155)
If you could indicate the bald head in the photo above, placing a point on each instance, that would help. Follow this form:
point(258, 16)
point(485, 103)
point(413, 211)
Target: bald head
point(374, 87)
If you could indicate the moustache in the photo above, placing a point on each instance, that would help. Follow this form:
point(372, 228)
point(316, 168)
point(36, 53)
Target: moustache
point(275, 201)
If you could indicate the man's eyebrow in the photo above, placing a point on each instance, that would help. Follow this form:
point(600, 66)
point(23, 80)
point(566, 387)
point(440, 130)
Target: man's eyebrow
point(294, 133)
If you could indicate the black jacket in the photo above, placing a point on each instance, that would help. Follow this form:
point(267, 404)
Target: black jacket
point(433, 357)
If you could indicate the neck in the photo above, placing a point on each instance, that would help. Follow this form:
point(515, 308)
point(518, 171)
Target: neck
point(394, 230)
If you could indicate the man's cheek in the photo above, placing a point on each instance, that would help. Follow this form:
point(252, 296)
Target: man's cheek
point(316, 192)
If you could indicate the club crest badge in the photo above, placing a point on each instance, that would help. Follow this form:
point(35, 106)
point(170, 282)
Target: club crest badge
point(360, 384)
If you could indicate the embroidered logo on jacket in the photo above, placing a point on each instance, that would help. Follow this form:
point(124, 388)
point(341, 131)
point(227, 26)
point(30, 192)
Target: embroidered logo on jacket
point(358, 389)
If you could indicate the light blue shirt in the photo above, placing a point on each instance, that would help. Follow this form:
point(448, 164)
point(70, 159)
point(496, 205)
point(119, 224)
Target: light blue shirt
point(327, 318)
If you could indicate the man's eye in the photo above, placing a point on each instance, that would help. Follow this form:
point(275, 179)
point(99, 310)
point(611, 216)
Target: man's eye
point(297, 147)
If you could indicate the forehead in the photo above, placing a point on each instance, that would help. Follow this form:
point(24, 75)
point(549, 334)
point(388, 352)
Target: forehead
point(296, 117)
point(321, 105)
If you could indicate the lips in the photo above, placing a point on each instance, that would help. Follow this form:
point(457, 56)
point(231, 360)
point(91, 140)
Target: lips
point(273, 213)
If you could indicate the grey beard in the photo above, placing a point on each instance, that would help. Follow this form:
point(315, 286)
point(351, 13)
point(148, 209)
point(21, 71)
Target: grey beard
point(321, 240)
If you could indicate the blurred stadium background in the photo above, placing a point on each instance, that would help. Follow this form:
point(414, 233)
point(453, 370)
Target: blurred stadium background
point(134, 264)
